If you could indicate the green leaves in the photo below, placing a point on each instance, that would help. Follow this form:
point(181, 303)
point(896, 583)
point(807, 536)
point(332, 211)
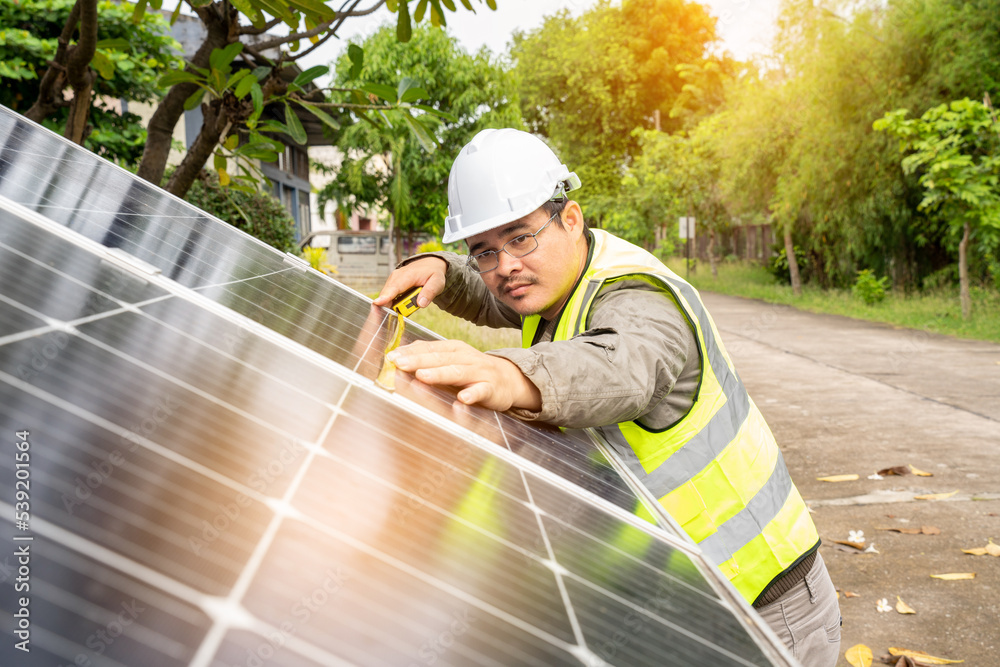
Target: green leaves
point(420, 133)
point(244, 85)
point(194, 100)
point(403, 29)
point(387, 93)
point(295, 129)
point(221, 59)
point(409, 91)
point(357, 56)
point(115, 44)
point(322, 115)
point(310, 74)
point(104, 66)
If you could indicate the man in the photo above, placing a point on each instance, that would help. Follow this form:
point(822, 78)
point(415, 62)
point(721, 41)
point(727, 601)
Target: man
point(614, 340)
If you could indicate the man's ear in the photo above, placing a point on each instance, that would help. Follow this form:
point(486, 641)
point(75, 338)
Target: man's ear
point(572, 218)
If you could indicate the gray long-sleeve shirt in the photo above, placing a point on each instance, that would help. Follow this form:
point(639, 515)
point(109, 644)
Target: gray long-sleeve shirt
point(638, 360)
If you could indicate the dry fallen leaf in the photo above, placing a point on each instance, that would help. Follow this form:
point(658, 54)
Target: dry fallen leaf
point(838, 478)
point(923, 530)
point(904, 608)
point(857, 545)
point(922, 657)
point(920, 473)
point(954, 576)
point(895, 470)
point(849, 594)
point(935, 496)
point(859, 655)
point(991, 549)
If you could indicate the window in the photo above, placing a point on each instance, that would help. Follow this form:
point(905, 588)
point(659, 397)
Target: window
point(356, 245)
point(383, 245)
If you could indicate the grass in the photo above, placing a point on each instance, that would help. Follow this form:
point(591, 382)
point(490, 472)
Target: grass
point(481, 338)
point(938, 311)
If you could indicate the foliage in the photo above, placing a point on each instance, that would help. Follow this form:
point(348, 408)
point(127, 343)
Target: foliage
point(796, 144)
point(675, 175)
point(319, 260)
point(130, 59)
point(588, 82)
point(868, 288)
point(430, 246)
point(258, 214)
point(956, 149)
point(383, 165)
point(778, 267)
point(233, 99)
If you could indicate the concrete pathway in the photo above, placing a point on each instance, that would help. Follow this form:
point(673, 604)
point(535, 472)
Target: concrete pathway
point(846, 396)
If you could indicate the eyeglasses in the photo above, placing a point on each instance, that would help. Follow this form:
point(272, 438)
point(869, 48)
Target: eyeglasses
point(517, 247)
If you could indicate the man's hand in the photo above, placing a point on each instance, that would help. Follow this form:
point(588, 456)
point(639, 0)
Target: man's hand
point(492, 382)
point(427, 272)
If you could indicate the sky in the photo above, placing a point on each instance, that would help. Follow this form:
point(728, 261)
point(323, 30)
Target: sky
point(745, 26)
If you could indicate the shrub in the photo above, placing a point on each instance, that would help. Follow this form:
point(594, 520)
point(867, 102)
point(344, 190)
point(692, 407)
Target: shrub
point(778, 264)
point(868, 288)
point(430, 246)
point(258, 214)
point(319, 260)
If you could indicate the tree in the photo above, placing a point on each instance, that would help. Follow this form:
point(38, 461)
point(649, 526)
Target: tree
point(587, 82)
point(384, 165)
point(956, 150)
point(129, 59)
point(234, 98)
point(678, 175)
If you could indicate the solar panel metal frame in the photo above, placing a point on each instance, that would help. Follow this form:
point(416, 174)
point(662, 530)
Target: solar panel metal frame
point(668, 532)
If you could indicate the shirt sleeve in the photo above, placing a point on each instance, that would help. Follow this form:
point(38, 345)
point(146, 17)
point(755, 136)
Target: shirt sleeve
point(465, 294)
point(620, 369)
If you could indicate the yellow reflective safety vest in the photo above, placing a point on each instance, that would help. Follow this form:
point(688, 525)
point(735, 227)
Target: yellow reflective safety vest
point(717, 470)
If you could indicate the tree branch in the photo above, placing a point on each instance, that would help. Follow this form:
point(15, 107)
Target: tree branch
point(321, 28)
point(349, 105)
point(250, 30)
point(54, 79)
point(333, 31)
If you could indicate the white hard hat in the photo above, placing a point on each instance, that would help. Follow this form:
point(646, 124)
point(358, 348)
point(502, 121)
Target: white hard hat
point(498, 177)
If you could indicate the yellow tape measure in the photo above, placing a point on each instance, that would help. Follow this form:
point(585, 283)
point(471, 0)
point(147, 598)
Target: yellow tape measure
point(404, 305)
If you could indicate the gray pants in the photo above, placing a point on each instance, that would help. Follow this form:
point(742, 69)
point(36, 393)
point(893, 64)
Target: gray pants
point(807, 618)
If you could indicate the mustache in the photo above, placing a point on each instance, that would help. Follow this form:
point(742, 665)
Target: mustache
point(516, 281)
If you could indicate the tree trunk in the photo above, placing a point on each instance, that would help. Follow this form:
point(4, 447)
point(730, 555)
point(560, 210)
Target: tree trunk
point(78, 72)
point(202, 148)
point(392, 241)
point(55, 80)
point(79, 112)
point(711, 254)
point(963, 274)
point(793, 264)
point(160, 130)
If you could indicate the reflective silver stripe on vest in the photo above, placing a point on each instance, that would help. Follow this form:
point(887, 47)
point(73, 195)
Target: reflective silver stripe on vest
point(748, 523)
point(588, 295)
point(696, 454)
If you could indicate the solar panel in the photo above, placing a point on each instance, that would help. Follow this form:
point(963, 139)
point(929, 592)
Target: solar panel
point(215, 479)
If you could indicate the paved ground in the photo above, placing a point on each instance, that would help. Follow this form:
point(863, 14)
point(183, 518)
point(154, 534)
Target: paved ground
point(845, 396)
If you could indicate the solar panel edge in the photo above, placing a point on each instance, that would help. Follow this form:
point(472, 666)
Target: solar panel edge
point(18, 118)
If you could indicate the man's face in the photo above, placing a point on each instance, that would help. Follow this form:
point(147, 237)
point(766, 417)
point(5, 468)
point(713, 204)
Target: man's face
point(540, 282)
